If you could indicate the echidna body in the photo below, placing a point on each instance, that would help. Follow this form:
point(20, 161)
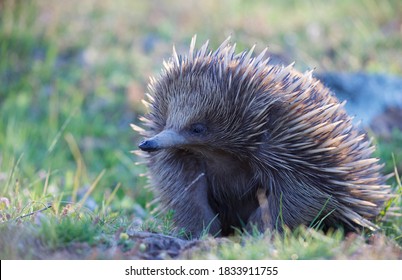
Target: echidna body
point(234, 142)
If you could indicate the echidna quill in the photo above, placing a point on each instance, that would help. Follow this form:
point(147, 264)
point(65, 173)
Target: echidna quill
point(234, 142)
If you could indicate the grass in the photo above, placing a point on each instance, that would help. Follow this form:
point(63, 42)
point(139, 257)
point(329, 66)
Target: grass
point(71, 81)
point(302, 244)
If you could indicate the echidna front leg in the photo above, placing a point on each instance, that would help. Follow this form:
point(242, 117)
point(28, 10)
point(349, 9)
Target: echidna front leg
point(184, 189)
point(194, 213)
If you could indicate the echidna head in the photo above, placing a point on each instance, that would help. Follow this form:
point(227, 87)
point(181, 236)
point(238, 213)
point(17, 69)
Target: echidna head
point(195, 115)
point(203, 102)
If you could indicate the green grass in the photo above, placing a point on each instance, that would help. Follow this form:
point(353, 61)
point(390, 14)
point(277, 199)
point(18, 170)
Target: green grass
point(301, 244)
point(71, 81)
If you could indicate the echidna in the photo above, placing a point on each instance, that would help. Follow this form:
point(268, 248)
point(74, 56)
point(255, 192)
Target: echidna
point(234, 142)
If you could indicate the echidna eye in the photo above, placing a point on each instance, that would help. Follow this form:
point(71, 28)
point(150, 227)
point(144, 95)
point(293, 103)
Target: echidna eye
point(198, 128)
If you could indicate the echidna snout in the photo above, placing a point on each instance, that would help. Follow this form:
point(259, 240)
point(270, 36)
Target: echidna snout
point(163, 140)
point(148, 145)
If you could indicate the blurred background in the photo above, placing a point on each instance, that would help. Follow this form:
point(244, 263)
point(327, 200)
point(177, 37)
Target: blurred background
point(72, 74)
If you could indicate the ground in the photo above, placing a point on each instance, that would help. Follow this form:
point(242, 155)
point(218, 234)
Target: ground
point(72, 75)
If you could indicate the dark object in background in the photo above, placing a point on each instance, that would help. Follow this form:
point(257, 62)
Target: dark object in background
point(375, 99)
